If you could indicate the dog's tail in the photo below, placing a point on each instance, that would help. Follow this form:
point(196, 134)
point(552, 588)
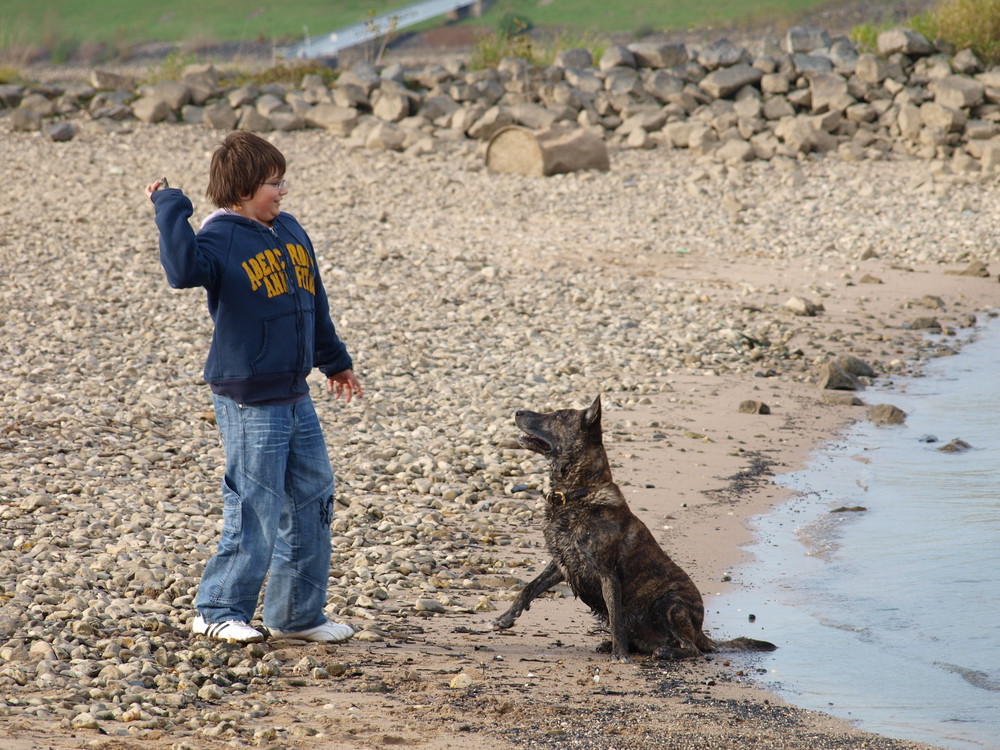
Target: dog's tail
point(743, 644)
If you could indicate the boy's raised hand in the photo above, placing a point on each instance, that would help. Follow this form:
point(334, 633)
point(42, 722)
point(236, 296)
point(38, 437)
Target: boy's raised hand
point(154, 186)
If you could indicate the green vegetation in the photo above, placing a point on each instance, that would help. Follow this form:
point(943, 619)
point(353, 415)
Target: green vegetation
point(490, 49)
point(286, 71)
point(866, 35)
point(103, 29)
point(171, 67)
point(64, 27)
point(510, 39)
point(120, 22)
point(967, 24)
point(974, 24)
point(644, 16)
point(289, 71)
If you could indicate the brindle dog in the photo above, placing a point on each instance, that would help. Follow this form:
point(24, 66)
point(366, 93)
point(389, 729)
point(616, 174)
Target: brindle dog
point(608, 556)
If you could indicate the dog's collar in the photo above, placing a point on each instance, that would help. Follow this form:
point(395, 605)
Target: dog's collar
point(561, 498)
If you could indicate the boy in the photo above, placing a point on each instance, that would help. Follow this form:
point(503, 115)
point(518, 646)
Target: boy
point(272, 326)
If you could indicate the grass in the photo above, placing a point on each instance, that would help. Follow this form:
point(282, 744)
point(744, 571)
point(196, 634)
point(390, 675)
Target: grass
point(632, 16)
point(967, 24)
point(490, 49)
point(866, 35)
point(974, 24)
point(129, 21)
point(96, 30)
point(61, 27)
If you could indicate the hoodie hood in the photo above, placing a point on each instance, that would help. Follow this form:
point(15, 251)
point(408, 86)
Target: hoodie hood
point(216, 214)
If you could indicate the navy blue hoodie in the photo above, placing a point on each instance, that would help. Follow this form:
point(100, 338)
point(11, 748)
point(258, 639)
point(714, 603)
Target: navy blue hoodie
point(265, 295)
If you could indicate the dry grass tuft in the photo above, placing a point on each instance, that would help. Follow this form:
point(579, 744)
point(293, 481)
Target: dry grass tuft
point(970, 24)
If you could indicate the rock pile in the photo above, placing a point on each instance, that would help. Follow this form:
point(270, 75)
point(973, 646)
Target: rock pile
point(807, 93)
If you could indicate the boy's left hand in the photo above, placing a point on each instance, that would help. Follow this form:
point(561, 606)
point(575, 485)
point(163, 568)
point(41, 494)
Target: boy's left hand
point(152, 188)
point(345, 383)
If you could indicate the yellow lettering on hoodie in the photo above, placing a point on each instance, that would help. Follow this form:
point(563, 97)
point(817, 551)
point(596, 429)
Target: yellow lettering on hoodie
point(254, 272)
point(267, 269)
point(306, 280)
point(274, 258)
point(303, 267)
point(276, 284)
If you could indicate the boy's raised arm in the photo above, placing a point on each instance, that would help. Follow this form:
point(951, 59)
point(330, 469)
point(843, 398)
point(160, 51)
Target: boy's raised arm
point(185, 261)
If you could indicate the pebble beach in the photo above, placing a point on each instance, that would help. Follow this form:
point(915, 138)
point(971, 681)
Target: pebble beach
point(664, 285)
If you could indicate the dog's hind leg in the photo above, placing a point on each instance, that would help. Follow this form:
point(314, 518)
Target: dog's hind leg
point(684, 636)
point(545, 580)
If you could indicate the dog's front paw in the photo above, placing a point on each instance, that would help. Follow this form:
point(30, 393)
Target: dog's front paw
point(504, 621)
point(607, 647)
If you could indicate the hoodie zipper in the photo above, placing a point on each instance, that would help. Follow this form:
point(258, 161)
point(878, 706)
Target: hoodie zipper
point(293, 290)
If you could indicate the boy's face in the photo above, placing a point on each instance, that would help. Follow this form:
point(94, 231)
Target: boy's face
point(265, 204)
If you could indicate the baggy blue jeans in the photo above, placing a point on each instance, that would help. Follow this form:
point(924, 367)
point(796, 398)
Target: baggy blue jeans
point(277, 504)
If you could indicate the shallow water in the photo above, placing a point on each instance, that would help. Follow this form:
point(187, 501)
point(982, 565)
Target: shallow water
point(890, 616)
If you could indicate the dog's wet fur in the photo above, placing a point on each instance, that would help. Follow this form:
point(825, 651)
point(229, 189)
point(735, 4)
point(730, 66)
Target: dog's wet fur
point(606, 554)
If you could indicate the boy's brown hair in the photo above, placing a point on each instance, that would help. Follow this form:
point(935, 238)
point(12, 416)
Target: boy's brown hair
point(240, 165)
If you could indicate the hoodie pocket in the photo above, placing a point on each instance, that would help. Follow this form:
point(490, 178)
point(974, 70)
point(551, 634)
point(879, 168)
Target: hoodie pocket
point(278, 346)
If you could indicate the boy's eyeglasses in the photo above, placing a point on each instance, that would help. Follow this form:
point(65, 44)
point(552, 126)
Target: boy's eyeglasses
point(280, 184)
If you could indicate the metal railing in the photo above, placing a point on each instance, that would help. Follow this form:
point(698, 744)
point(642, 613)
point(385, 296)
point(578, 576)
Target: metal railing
point(328, 45)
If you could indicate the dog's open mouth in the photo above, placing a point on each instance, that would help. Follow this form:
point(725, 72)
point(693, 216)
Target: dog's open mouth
point(534, 443)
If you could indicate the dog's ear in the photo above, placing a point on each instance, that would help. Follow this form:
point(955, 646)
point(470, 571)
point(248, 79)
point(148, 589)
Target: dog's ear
point(593, 414)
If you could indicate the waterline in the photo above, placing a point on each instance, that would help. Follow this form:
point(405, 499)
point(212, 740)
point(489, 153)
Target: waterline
point(890, 616)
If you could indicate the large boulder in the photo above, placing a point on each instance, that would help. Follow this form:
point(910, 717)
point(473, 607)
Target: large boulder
point(617, 56)
point(10, 95)
point(725, 82)
point(175, 94)
point(886, 414)
point(106, 80)
point(151, 109)
point(947, 119)
point(871, 68)
point(722, 54)
point(340, 121)
point(219, 116)
point(386, 136)
point(26, 121)
point(574, 58)
point(346, 94)
point(39, 104)
point(663, 85)
point(904, 41)
point(957, 91)
point(494, 119)
point(659, 54)
point(806, 39)
point(832, 377)
point(250, 118)
point(830, 93)
point(532, 115)
point(391, 106)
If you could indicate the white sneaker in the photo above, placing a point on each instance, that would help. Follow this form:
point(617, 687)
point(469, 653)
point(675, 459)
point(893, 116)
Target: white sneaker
point(231, 631)
point(328, 632)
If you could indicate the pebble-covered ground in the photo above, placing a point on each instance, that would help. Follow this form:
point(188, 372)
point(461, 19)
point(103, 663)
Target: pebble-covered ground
point(463, 296)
